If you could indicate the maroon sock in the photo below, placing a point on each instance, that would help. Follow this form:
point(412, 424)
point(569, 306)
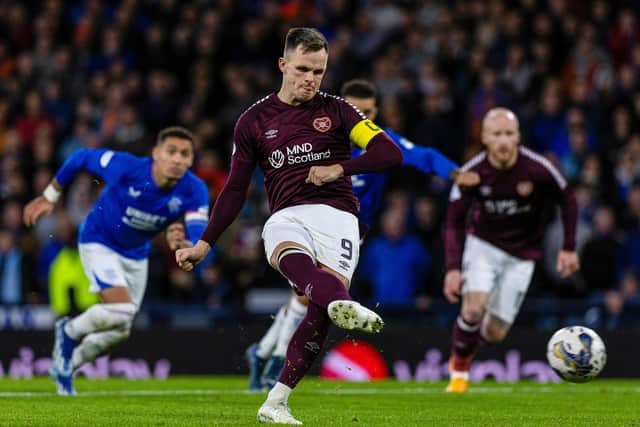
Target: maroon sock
point(305, 345)
point(321, 287)
point(465, 341)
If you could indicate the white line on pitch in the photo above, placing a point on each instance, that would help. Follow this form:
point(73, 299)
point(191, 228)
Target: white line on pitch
point(340, 391)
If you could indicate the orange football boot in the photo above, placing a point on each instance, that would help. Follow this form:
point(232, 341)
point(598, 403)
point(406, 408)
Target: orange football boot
point(458, 380)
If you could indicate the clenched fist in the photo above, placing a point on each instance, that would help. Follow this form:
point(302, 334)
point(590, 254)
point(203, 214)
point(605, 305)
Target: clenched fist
point(320, 175)
point(188, 258)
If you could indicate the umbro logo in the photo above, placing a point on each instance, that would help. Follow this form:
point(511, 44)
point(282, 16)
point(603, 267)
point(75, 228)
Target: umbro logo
point(271, 133)
point(312, 346)
point(485, 190)
point(134, 193)
point(308, 289)
point(344, 265)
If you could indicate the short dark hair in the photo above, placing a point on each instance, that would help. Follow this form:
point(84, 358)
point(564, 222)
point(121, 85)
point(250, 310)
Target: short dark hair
point(310, 39)
point(358, 88)
point(176, 132)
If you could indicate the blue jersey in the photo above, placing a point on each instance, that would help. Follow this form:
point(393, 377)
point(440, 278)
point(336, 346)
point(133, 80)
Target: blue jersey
point(368, 187)
point(132, 208)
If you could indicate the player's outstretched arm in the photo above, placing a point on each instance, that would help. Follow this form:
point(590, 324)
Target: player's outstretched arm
point(430, 160)
point(42, 205)
point(225, 210)
point(567, 261)
point(454, 233)
point(425, 159)
point(108, 165)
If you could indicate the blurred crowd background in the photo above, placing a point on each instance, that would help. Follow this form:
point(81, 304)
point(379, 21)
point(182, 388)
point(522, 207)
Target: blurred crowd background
point(100, 73)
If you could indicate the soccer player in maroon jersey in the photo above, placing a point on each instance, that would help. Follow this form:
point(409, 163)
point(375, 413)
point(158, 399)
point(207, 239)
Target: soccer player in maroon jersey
point(301, 138)
point(266, 358)
point(503, 219)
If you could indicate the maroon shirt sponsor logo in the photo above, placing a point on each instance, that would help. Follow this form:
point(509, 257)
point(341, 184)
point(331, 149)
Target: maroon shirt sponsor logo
point(276, 159)
point(322, 124)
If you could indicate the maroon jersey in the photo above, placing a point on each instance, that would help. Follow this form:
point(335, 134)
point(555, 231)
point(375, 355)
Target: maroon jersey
point(510, 208)
point(286, 141)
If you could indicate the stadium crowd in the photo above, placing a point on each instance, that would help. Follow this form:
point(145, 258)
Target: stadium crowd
point(100, 73)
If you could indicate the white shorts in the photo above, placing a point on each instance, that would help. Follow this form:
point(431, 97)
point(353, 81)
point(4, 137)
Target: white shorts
point(106, 268)
point(330, 235)
point(486, 268)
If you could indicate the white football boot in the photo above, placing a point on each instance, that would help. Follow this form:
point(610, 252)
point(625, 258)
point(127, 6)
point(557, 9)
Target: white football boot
point(348, 314)
point(276, 413)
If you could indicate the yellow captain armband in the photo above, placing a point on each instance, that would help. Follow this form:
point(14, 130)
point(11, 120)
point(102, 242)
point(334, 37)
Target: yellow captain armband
point(363, 132)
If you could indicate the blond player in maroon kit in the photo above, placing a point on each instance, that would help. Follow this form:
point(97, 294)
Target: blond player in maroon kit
point(301, 138)
point(503, 220)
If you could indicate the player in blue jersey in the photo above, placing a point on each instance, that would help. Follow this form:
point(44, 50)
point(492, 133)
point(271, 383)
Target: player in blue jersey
point(142, 196)
point(266, 357)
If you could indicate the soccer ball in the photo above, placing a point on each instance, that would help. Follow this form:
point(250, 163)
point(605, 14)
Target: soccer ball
point(576, 353)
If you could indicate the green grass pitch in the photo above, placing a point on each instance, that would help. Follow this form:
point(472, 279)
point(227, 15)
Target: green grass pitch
point(223, 401)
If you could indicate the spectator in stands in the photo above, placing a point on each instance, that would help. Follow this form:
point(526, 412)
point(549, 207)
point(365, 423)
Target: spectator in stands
point(11, 274)
point(33, 119)
point(629, 259)
point(396, 263)
point(599, 268)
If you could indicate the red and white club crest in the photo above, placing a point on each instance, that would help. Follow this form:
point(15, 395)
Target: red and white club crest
point(322, 124)
point(524, 188)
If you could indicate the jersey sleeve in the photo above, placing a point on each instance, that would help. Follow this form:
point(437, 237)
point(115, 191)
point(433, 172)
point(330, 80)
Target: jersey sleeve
point(424, 159)
point(455, 226)
point(243, 143)
point(197, 214)
point(563, 194)
point(234, 192)
point(107, 164)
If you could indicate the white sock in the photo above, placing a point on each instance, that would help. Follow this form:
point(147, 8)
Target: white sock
point(101, 317)
point(269, 340)
point(466, 326)
point(95, 344)
point(459, 374)
point(295, 313)
point(279, 393)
